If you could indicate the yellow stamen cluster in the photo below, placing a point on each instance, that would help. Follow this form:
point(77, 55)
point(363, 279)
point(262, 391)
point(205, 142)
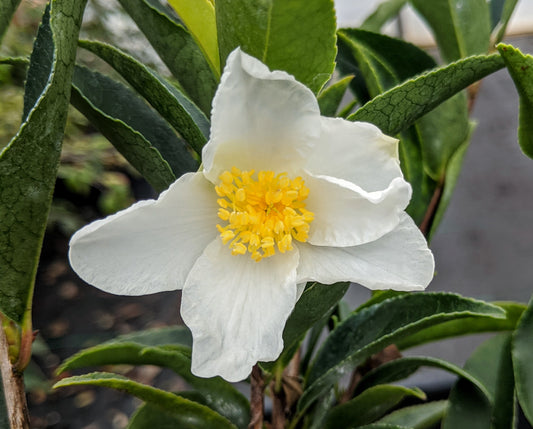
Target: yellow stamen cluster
point(262, 212)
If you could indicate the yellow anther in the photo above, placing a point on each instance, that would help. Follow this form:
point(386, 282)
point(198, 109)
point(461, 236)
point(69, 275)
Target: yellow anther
point(262, 211)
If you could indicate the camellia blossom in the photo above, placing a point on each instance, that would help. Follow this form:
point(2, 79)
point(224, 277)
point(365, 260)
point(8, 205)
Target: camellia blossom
point(285, 196)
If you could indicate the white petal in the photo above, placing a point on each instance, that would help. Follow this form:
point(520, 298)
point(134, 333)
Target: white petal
point(357, 152)
point(151, 246)
point(261, 120)
point(346, 215)
point(399, 260)
point(236, 309)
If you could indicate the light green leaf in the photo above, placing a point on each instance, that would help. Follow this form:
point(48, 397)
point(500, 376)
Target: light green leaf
point(520, 68)
point(178, 50)
point(330, 98)
point(461, 28)
point(175, 107)
point(28, 165)
point(500, 14)
point(491, 364)
point(397, 108)
point(199, 18)
point(368, 331)
point(317, 301)
point(291, 35)
point(7, 10)
point(131, 126)
point(469, 325)
point(522, 352)
point(165, 348)
point(383, 13)
point(423, 416)
point(149, 416)
point(369, 406)
point(402, 368)
point(201, 415)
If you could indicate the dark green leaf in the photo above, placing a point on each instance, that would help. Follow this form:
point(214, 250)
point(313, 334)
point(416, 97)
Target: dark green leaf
point(396, 109)
point(7, 10)
point(423, 416)
point(136, 130)
point(400, 369)
point(291, 35)
point(28, 165)
point(384, 61)
point(461, 28)
point(176, 108)
point(500, 14)
point(491, 364)
point(149, 416)
point(159, 348)
point(178, 406)
point(177, 335)
point(330, 98)
point(520, 68)
point(383, 13)
point(178, 50)
point(466, 326)
point(522, 351)
point(373, 328)
point(369, 406)
point(382, 426)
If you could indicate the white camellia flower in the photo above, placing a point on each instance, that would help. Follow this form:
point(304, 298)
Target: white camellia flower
point(285, 196)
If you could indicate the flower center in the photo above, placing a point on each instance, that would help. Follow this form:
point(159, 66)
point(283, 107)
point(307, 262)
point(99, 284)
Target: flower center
point(262, 212)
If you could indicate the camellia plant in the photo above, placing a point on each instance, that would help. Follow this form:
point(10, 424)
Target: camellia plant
point(274, 195)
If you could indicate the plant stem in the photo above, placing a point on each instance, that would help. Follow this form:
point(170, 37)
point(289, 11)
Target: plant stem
point(256, 398)
point(13, 386)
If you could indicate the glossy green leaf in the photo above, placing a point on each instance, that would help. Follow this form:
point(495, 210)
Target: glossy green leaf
point(384, 61)
point(176, 335)
point(330, 98)
point(461, 28)
point(201, 415)
point(28, 165)
point(522, 352)
point(187, 119)
point(7, 10)
point(373, 328)
point(136, 130)
point(491, 364)
point(166, 350)
point(199, 18)
point(423, 416)
point(316, 301)
point(369, 406)
point(402, 368)
point(500, 14)
point(384, 12)
point(178, 50)
point(397, 108)
point(149, 416)
point(466, 326)
point(520, 68)
point(291, 35)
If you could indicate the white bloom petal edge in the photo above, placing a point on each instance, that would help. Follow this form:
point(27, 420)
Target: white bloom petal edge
point(151, 246)
point(266, 117)
point(399, 260)
point(236, 309)
point(357, 152)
